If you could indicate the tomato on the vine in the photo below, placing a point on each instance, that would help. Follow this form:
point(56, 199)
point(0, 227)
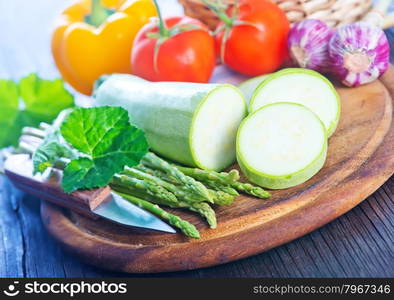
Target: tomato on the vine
point(252, 36)
point(174, 49)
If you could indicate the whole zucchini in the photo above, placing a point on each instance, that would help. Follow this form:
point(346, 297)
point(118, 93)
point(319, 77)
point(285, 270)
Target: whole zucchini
point(191, 123)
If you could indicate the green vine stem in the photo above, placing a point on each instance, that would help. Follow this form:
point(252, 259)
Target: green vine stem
point(220, 10)
point(164, 32)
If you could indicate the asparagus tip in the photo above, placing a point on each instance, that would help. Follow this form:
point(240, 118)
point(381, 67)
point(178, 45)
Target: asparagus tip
point(234, 175)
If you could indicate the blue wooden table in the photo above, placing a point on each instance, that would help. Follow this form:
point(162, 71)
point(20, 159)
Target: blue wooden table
point(358, 244)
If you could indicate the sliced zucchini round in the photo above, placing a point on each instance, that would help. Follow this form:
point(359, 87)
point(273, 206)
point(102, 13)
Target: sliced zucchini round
point(214, 128)
point(301, 86)
point(248, 87)
point(281, 145)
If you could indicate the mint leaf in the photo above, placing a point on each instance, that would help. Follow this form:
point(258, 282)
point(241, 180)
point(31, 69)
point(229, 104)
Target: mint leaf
point(29, 102)
point(49, 152)
point(78, 175)
point(108, 143)
point(54, 147)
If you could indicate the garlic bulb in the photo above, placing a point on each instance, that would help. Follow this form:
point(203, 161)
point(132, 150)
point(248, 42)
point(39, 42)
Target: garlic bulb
point(359, 53)
point(308, 44)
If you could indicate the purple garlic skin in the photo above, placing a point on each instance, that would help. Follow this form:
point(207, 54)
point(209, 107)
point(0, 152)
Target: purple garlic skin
point(359, 53)
point(308, 44)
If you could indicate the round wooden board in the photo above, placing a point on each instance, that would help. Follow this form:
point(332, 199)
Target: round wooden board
point(360, 159)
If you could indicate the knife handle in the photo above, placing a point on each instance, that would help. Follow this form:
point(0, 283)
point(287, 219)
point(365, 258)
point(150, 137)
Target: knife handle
point(19, 170)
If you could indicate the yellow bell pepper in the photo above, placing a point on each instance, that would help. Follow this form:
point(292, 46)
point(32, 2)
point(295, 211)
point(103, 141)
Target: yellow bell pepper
point(93, 37)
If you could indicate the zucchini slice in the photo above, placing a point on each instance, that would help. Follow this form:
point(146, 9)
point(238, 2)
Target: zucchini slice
point(248, 86)
point(281, 145)
point(301, 86)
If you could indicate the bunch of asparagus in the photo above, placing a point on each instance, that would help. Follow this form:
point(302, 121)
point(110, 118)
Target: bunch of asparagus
point(156, 182)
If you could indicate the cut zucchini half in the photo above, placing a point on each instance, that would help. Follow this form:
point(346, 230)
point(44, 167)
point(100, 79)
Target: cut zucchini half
point(214, 128)
point(248, 87)
point(194, 124)
point(281, 145)
point(304, 87)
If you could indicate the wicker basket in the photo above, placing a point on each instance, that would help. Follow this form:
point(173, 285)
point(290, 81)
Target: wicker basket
point(334, 12)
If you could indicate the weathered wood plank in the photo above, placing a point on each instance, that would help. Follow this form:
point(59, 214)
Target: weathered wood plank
point(11, 238)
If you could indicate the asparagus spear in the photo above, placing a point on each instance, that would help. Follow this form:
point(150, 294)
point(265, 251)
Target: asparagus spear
point(25, 147)
point(223, 181)
point(158, 174)
point(186, 227)
point(234, 187)
point(210, 176)
point(142, 194)
point(251, 189)
point(221, 198)
point(32, 131)
point(206, 211)
point(202, 208)
point(44, 126)
point(31, 140)
point(220, 187)
point(144, 173)
point(144, 185)
point(153, 161)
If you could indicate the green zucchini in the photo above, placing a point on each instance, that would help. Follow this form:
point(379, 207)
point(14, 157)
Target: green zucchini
point(191, 123)
point(281, 145)
point(248, 86)
point(306, 87)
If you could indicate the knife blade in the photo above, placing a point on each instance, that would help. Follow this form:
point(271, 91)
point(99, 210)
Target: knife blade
point(100, 202)
point(121, 211)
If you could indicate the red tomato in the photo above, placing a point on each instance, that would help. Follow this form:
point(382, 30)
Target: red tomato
point(188, 54)
point(259, 48)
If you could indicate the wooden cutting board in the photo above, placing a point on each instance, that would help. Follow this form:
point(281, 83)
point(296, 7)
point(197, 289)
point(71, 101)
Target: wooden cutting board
point(360, 159)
